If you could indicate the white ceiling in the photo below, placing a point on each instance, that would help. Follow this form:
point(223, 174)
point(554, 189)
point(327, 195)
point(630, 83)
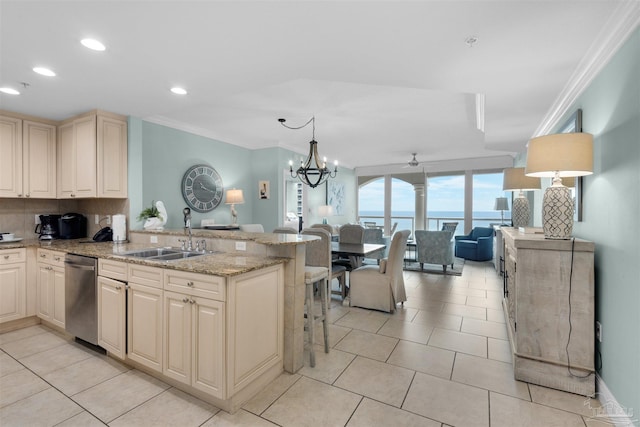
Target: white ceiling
point(383, 78)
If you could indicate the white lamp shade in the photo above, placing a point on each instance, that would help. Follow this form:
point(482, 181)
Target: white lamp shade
point(234, 197)
point(325, 210)
point(514, 179)
point(564, 154)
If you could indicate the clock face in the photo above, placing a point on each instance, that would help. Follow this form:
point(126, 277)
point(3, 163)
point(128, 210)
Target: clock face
point(202, 188)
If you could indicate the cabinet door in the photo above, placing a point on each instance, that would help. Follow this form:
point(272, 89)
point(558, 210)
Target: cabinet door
point(85, 156)
point(11, 155)
point(39, 155)
point(44, 296)
point(112, 157)
point(57, 291)
point(208, 346)
point(144, 325)
point(12, 292)
point(111, 316)
point(510, 278)
point(177, 337)
point(66, 155)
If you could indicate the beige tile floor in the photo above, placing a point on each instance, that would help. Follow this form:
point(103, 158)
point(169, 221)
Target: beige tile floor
point(442, 360)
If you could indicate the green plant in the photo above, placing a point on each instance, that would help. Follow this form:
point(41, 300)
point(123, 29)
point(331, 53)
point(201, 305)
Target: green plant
point(151, 212)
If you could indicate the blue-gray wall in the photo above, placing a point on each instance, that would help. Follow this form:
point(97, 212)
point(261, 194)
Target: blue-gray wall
point(611, 216)
point(159, 156)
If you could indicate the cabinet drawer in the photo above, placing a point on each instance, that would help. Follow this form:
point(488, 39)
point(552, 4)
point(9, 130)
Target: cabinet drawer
point(113, 269)
point(143, 275)
point(11, 256)
point(51, 257)
point(202, 285)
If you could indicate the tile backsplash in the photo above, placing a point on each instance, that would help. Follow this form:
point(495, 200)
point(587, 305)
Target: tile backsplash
point(18, 215)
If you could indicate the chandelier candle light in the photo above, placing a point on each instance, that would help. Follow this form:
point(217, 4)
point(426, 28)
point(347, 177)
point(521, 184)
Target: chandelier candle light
point(312, 171)
point(557, 156)
point(234, 197)
point(514, 179)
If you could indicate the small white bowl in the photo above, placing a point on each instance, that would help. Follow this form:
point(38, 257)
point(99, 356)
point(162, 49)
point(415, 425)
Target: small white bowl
point(8, 236)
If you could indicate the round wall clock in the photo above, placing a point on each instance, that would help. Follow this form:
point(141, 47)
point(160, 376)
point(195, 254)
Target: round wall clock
point(202, 188)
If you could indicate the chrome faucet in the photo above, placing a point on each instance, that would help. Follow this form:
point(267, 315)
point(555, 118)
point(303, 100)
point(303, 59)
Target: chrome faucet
point(187, 227)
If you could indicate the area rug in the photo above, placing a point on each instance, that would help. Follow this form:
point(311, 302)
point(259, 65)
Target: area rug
point(458, 264)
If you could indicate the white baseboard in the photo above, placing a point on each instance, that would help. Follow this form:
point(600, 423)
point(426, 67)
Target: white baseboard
point(615, 413)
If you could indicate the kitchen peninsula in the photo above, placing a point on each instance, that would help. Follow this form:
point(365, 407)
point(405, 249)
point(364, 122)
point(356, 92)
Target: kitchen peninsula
point(242, 296)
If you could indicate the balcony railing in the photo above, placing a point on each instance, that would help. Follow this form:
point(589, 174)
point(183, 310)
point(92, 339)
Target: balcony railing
point(433, 223)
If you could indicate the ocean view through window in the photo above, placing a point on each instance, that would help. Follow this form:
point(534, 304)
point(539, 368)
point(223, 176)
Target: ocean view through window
point(445, 195)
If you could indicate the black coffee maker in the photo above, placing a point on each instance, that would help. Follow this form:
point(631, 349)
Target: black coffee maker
point(48, 227)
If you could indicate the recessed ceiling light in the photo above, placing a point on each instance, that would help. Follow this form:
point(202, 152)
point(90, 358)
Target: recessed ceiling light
point(178, 91)
point(44, 71)
point(92, 44)
point(9, 91)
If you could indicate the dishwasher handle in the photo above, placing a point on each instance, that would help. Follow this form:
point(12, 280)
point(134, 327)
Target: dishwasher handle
point(79, 266)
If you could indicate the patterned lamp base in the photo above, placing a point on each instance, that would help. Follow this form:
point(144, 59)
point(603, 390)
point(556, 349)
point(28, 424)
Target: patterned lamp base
point(557, 213)
point(520, 212)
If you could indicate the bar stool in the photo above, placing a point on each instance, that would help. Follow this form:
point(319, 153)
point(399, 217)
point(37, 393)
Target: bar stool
point(313, 275)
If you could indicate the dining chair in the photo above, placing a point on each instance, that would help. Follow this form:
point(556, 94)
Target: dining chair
point(351, 233)
point(327, 227)
point(252, 228)
point(381, 287)
point(285, 230)
point(317, 270)
point(370, 224)
point(450, 226)
point(337, 271)
point(374, 235)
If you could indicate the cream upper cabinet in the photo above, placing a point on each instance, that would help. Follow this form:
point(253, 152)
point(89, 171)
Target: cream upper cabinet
point(28, 151)
point(77, 158)
point(11, 155)
point(112, 157)
point(92, 156)
point(12, 284)
point(39, 160)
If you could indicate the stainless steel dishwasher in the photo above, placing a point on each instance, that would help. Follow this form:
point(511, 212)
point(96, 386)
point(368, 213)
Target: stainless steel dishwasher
point(81, 297)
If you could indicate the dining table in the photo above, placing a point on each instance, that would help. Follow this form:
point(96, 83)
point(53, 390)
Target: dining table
point(356, 250)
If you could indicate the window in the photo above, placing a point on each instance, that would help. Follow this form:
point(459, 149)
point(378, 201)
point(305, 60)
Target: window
point(371, 201)
point(486, 188)
point(445, 201)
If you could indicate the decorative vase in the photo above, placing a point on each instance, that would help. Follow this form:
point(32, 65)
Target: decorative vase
point(520, 212)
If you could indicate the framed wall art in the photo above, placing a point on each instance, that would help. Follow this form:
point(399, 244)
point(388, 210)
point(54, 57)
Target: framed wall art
point(264, 191)
point(336, 196)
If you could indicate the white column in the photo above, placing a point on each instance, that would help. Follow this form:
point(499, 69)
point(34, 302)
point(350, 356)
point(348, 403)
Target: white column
point(468, 201)
point(387, 202)
point(420, 205)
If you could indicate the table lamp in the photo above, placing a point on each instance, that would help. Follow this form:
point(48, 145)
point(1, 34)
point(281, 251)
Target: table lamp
point(324, 211)
point(501, 205)
point(514, 179)
point(234, 197)
point(557, 156)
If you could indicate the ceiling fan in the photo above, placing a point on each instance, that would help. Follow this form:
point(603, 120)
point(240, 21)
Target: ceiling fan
point(413, 162)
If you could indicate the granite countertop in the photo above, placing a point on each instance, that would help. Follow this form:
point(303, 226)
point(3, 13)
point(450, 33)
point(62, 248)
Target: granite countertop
point(262, 238)
point(215, 263)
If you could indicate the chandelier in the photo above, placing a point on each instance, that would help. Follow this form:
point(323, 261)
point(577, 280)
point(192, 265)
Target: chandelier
point(312, 171)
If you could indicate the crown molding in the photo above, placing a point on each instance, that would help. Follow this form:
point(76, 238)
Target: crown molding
point(616, 31)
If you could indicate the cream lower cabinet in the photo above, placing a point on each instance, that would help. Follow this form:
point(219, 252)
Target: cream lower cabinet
point(195, 331)
point(112, 316)
point(145, 316)
point(12, 284)
point(50, 287)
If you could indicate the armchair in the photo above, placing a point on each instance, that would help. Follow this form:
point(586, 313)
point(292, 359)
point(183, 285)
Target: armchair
point(434, 247)
point(477, 245)
point(381, 287)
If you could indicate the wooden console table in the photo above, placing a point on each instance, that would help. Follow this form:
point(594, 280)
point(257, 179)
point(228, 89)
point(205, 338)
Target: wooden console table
point(549, 302)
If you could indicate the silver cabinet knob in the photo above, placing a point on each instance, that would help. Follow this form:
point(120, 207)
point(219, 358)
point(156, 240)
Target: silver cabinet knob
point(190, 284)
point(185, 300)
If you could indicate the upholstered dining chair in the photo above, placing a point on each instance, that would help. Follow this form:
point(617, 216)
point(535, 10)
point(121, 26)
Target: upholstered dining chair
point(351, 233)
point(434, 247)
point(381, 287)
point(450, 226)
point(252, 228)
point(285, 230)
point(327, 227)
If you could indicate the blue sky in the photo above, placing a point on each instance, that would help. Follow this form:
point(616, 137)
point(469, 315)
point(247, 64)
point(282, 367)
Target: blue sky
point(443, 194)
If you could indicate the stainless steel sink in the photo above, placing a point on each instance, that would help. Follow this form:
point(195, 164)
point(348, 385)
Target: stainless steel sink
point(162, 254)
